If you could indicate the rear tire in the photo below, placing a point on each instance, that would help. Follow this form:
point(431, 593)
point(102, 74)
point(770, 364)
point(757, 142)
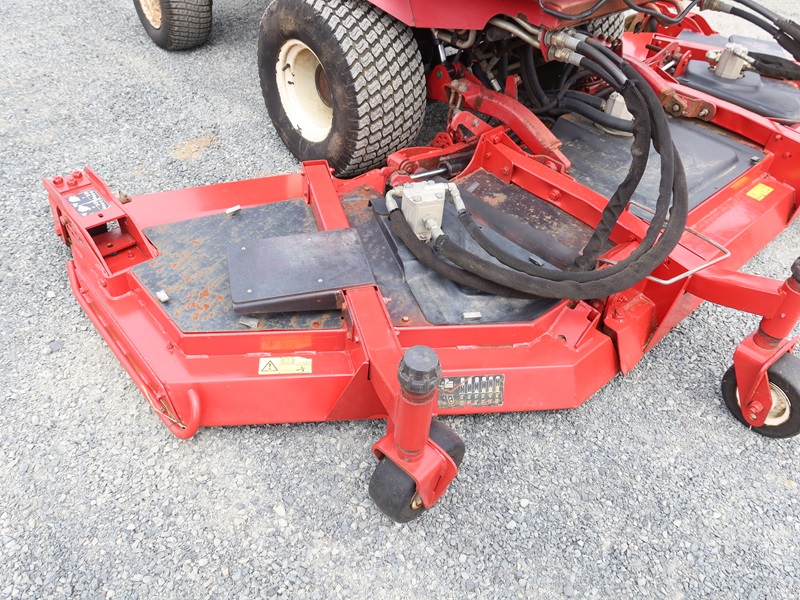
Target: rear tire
point(342, 81)
point(175, 24)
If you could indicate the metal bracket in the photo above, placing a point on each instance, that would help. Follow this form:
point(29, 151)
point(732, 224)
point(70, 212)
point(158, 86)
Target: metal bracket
point(725, 254)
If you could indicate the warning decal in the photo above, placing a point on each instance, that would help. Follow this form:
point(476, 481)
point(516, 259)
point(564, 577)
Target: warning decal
point(284, 365)
point(760, 191)
point(480, 390)
point(87, 203)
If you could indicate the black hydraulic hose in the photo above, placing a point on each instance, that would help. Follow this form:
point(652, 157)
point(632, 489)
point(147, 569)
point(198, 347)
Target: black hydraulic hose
point(754, 19)
point(784, 39)
point(775, 66)
point(426, 256)
point(653, 249)
point(613, 79)
point(672, 183)
point(531, 79)
point(789, 44)
point(680, 205)
point(762, 10)
point(640, 153)
point(593, 101)
point(642, 84)
point(602, 60)
point(572, 105)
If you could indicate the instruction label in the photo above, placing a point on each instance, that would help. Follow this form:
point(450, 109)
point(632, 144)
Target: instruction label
point(284, 365)
point(87, 203)
point(478, 390)
point(760, 191)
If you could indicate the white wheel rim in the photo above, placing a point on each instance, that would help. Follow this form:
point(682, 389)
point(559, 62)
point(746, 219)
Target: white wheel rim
point(304, 91)
point(152, 12)
point(779, 411)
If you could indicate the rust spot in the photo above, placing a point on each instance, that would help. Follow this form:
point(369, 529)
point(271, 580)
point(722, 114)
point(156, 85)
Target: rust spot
point(495, 199)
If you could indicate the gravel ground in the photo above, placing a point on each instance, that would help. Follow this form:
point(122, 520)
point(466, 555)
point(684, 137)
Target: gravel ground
point(650, 489)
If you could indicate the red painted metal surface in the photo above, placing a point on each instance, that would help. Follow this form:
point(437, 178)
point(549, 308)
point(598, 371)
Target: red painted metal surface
point(451, 14)
point(559, 360)
point(533, 133)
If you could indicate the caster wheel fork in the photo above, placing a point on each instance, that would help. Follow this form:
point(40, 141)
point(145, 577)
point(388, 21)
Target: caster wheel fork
point(394, 491)
point(419, 456)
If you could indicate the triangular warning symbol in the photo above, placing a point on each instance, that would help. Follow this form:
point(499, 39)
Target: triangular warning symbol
point(269, 367)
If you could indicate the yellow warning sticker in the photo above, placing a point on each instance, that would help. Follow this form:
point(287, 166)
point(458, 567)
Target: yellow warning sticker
point(760, 191)
point(284, 365)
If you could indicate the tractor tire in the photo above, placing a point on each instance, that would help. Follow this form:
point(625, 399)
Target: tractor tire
point(342, 81)
point(175, 24)
point(783, 420)
point(609, 27)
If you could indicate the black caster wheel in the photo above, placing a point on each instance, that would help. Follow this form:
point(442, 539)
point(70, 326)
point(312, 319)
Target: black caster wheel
point(394, 492)
point(783, 420)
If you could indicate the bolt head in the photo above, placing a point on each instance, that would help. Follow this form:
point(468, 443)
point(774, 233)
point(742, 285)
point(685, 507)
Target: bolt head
point(77, 175)
point(796, 270)
point(676, 108)
point(58, 180)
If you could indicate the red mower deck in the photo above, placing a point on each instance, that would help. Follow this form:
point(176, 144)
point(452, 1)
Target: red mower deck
point(156, 286)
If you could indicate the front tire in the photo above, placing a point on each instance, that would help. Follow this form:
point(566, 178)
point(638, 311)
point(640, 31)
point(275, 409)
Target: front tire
point(175, 24)
point(342, 81)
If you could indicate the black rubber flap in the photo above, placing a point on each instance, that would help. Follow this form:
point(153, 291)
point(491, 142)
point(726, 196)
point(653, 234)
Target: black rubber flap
point(307, 271)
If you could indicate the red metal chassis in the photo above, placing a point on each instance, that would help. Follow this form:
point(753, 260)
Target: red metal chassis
point(450, 14)
point(197, 380)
